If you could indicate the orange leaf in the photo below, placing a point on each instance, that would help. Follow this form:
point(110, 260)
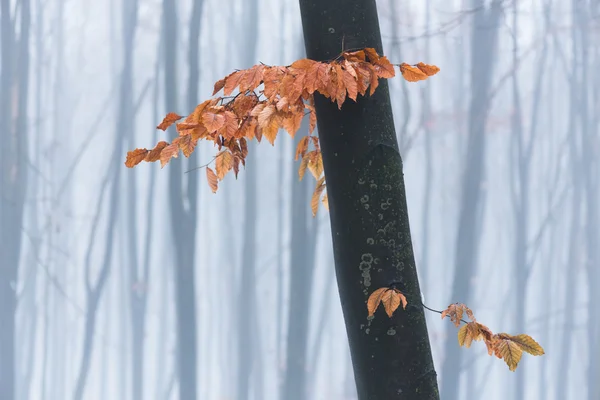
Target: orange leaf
point(220, 84)
point(374, 300)
point(232, 81)
point(350, 82)
point(154, 154)
point(170, 151)
point(325, 201)
point(212, 179)
point(291, 123)
point(187, 145)
point(372, 54)
point(384, 68)
point(315, 164)
point(251, 78)
point(302, 147)
point(508, 350)
point(303, 165)
point(455, 312)
point(213, 121)
point(223, 163)
point(391, 300)
point(411, 73)
point(134, 157)
point(429, 70)
point(314, 202)
point(528, 345)
point(169, 119)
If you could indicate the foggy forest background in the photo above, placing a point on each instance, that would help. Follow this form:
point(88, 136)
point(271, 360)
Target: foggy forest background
point(94, 254)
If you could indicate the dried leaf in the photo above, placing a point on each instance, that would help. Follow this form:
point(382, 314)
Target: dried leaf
point(134, 157)
point(302, 147)
point(325, 201)
point(170, 151)
point(169, 120)
point(429, 70)
point(314, 202)
point(223, 163)
point(411, 73)
point(374, 300)
point(212, 179)
point(154, 154)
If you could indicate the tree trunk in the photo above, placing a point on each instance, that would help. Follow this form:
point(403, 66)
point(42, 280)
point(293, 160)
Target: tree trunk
point(369, 216)
point(14, 82)
point(184, 206)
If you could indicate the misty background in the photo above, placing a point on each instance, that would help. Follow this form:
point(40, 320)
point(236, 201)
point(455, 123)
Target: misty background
point(100, 264)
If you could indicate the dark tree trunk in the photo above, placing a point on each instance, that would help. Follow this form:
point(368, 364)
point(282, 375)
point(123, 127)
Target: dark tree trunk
point(184, 206)
point(369, 215)
point(483, 50)
point(14, 83)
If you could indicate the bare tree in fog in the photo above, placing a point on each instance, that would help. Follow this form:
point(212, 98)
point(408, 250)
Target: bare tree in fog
point(14, 165)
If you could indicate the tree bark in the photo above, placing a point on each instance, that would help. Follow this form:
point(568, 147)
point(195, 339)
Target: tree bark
point(369, 216)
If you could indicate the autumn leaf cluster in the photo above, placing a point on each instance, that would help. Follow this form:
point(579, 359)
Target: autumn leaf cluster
point(270, 98)
point(507, 347)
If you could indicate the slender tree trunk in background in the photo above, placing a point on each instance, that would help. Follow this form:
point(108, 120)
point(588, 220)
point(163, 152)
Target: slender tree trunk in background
point(137, 273)
point(124, 124)
point(14, 81)
point(302, 265)
point(184, 214)
point(483, 51)
point(372, 245)
point(522, 152)
point(247, 328)
point(589, 154)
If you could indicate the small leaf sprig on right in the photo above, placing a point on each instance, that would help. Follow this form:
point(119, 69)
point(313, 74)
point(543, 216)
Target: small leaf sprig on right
point(507, 347)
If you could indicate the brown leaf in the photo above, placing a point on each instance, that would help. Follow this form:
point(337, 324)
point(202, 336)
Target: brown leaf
point(315, 165)
point(526, 343)
point(455, 312)
point(134, 157)
point(154, 154)
point(411, 73)
point(187, 145)
point(374, 300)
point(212, 179)
point(314, 201)
point(508, 350)
point(384, 68)
point(232, 81)
point(170, 151)
point(220, 84)
point(292, 122)
point(223, 163)
point(350, 81)
point(325, 201)
point(252, 78)
point(213, 121)
point(169, 119)
point(391, 300)
point(429, 70)
point(303, 165)
point(301, 148)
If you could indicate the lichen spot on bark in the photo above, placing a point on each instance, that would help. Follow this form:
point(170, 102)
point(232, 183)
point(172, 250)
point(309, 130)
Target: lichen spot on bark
point(370, 241)
point(366, 261)
point(391, 332)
